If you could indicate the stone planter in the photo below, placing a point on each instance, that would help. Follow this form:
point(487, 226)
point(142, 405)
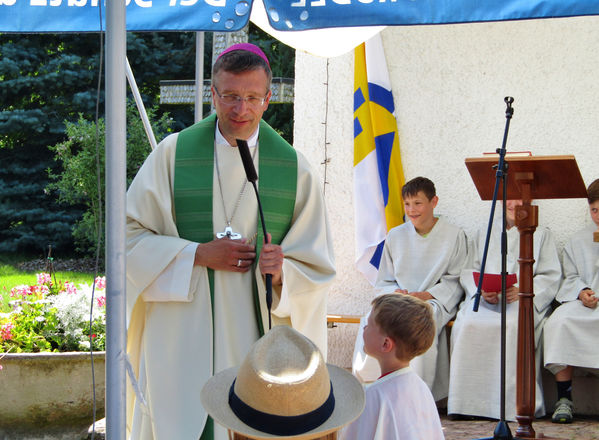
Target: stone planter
point(49, 394)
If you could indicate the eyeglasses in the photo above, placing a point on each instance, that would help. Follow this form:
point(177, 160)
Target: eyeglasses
point(252, 101)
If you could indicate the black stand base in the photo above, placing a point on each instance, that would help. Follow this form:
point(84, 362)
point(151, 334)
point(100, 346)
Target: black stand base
point(502, 432)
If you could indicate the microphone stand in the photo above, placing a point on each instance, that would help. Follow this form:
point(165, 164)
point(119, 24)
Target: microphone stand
point(252, 176)
point(502, 430)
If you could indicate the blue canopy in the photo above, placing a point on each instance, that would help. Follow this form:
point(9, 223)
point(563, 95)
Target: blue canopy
point(222, 15)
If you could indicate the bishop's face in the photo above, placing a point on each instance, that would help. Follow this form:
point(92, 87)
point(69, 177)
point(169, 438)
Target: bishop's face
point(240, 118)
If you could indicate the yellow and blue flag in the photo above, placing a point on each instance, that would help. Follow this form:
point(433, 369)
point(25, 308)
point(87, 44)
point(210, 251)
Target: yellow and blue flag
point(378, 174)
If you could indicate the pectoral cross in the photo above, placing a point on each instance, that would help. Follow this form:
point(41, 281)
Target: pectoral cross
point(228, 232)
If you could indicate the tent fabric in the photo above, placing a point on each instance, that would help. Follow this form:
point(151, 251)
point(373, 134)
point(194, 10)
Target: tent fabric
point(300, 15)
point(61, 16)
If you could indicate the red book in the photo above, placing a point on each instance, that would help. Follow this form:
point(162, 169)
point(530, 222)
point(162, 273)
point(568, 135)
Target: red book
point(492, 281)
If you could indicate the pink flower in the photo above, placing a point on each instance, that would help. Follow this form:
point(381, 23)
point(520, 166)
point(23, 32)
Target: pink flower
point(22, 290)
point(100, 282)
point(101, 301)
point(70, 288)
point(44, 278)
point(40, 291)
point(5, 331)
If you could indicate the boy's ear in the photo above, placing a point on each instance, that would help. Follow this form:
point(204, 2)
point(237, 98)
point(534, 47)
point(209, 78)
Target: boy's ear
point(388, 345)
point(434, 201)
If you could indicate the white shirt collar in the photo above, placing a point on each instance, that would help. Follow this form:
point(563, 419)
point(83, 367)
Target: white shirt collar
point(391, 375)
point(219, 139)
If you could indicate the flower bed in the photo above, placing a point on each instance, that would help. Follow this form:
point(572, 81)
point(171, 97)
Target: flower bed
point(46, 332)
point(54, 316)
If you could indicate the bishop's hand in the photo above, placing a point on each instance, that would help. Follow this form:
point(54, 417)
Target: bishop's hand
point(225, 254)
point(271, 260)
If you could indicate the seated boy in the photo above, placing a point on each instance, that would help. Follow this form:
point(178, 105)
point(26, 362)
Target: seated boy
point(399, 405)
point(570, 332)
point(474, 382)
point(421, 258)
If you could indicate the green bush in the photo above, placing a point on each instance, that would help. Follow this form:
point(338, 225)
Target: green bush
point(77, 184)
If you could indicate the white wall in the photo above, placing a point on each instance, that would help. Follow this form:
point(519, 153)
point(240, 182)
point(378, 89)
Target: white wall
point(449, 83)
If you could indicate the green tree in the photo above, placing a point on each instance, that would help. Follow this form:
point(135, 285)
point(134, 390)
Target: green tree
point(46, 80)
point(43, 81)
point(282, 62)
point(77, 183)
point(29, 219)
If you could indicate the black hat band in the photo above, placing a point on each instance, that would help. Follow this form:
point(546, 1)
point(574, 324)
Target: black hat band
point(281, 425)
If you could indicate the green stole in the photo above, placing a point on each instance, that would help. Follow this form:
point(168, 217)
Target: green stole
point(194, 166)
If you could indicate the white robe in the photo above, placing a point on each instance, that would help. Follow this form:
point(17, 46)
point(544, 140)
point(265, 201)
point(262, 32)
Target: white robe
point(416, 263)
point(570, 331)
point(399, 406)
point(171, 344)
point(474, 383)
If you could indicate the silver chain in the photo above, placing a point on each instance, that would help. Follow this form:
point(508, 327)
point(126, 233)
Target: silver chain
point(220, 186)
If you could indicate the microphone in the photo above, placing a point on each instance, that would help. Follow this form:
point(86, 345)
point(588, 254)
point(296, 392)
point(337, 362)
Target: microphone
point(248, 163)
point(252, 176)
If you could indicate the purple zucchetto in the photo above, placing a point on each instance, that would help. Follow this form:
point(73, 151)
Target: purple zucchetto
point(249, 47)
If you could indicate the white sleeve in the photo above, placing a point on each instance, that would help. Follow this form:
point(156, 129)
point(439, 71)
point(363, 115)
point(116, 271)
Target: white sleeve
point(572, 283)
point(385, 279)
point(448, 290)
point(175, 281)
point(548, 273)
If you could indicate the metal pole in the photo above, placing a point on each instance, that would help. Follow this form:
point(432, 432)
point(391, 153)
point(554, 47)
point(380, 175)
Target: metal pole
point(116, 53)
point(199, 79)
point(140, 105)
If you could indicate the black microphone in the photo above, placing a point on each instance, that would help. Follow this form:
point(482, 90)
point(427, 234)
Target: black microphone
point(248, 163)
point(252, 176)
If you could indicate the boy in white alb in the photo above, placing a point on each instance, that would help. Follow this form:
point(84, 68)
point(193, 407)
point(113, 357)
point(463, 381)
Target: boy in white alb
point(475, 380)
point(421, 258)
point(399, 405)
point(570, 332)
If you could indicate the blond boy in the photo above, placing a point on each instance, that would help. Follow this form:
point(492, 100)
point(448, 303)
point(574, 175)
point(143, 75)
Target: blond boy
point(475, 375)
point(399, 404)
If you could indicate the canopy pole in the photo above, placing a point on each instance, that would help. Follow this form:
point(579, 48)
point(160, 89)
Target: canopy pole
point(140, 105)
point(199, 78)
point(116, 38)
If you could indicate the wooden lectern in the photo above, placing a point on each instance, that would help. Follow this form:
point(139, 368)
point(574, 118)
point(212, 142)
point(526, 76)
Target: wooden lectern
point(528, 178)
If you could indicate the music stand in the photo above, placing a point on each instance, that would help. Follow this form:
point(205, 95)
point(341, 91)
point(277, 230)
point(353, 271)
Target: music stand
point(531, 178)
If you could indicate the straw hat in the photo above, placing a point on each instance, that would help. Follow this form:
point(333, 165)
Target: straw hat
point(283, 389)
